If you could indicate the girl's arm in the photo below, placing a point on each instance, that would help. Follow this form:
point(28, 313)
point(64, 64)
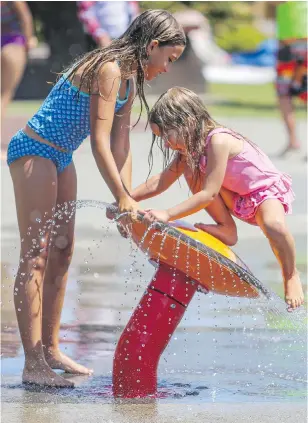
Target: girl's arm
point(102, 110)
point(159, 183)
point(217, 158)
point(120, 144)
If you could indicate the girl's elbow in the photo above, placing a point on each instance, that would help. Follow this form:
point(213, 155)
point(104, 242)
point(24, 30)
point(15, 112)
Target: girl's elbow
point(214, 195)
point(208, 197)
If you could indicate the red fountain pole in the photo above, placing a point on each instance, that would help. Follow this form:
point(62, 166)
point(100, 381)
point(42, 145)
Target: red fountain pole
point(148, 332)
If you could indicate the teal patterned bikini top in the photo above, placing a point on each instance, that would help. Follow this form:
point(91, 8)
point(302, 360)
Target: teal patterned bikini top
point(63, 118)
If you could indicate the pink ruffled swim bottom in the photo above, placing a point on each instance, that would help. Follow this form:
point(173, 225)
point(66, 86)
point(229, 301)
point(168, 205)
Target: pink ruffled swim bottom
point(245, 206)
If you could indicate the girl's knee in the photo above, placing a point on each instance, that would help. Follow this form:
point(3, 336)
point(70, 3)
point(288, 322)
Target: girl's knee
point(232, 240)
point(64, 248)
point(35, 255)
point(275, 228)
point(231, 236)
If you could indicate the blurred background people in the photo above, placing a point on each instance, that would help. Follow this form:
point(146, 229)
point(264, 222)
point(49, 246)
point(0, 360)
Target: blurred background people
point(291, 66)
point(104, 21)
point(17, 37)
point(200, 37)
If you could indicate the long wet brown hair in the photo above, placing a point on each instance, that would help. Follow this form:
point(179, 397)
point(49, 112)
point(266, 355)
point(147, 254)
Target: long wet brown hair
point(130, 50)
point(183, 111)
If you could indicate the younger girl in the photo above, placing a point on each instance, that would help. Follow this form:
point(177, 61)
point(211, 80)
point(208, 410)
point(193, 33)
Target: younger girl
point(94, 97)
point(216, 160)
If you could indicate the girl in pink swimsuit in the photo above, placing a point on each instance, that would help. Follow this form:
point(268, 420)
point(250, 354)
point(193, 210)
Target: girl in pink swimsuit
point(228, 175)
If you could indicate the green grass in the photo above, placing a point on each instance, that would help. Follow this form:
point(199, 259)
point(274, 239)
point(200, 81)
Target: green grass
point(247, 100)
point(282, 322)
point(221, 100)
point(286, 324)
point(20, 107)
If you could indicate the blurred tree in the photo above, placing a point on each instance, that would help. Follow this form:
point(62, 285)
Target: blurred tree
point(239, 37)
point(214, 11)
point(231, 21)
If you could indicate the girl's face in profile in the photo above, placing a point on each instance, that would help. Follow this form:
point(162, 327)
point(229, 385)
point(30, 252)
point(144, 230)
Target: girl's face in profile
point(171, 139)
point(160, 59)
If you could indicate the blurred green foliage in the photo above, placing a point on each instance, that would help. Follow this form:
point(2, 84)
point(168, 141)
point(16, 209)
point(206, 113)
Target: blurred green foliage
point(215, 11)
point(231, 21)
point(238, 36)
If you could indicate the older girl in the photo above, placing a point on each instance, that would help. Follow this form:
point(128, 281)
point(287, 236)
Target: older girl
point(93, 97)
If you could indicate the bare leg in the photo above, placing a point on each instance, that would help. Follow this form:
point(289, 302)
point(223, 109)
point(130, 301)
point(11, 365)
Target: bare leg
point(225, 228)
point(288, 114)
point(35, 187)
point(227, 197)
point(271, 219)
point(55, 280)
point(13, 62)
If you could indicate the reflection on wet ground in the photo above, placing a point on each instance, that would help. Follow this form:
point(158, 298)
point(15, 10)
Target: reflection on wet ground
point(227, 356)
point(224, 350)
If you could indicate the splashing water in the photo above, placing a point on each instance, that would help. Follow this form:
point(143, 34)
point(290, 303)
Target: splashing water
point(268, 302)
point(279, 322)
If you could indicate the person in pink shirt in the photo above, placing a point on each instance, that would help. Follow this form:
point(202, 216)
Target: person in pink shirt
point(227, 174)
point(104, 21)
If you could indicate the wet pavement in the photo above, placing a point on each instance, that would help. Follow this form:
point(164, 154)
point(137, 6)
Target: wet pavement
point(225, 352)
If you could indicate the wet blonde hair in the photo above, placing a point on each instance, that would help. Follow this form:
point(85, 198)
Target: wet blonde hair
point(183, 111)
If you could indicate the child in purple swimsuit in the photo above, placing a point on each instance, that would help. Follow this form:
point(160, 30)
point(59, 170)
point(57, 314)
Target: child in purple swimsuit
point(16, 39)
point(216, 160)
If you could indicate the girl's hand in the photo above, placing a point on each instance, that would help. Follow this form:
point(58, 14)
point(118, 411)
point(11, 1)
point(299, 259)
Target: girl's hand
point(31, 43)
point(156, 216)
point(112, 214)
point(127, 204)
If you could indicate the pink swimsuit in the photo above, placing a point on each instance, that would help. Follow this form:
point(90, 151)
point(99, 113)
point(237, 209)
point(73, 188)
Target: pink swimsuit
point(253, 178)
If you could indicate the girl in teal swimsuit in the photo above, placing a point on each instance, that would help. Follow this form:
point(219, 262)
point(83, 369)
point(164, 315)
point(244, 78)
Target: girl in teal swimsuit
point(84, 102)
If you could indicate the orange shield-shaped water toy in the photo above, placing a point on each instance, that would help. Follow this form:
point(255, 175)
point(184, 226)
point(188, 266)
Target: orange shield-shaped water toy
point(199, 255)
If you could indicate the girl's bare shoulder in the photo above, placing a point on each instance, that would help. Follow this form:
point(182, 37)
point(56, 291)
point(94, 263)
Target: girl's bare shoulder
point(107, 79)
point(222, 138)
point(228, 141)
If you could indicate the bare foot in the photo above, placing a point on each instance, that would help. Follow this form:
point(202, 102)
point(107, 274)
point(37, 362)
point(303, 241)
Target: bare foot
point(42, 375)
point(224, 233)
point(294, 295)
point(58, 360)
